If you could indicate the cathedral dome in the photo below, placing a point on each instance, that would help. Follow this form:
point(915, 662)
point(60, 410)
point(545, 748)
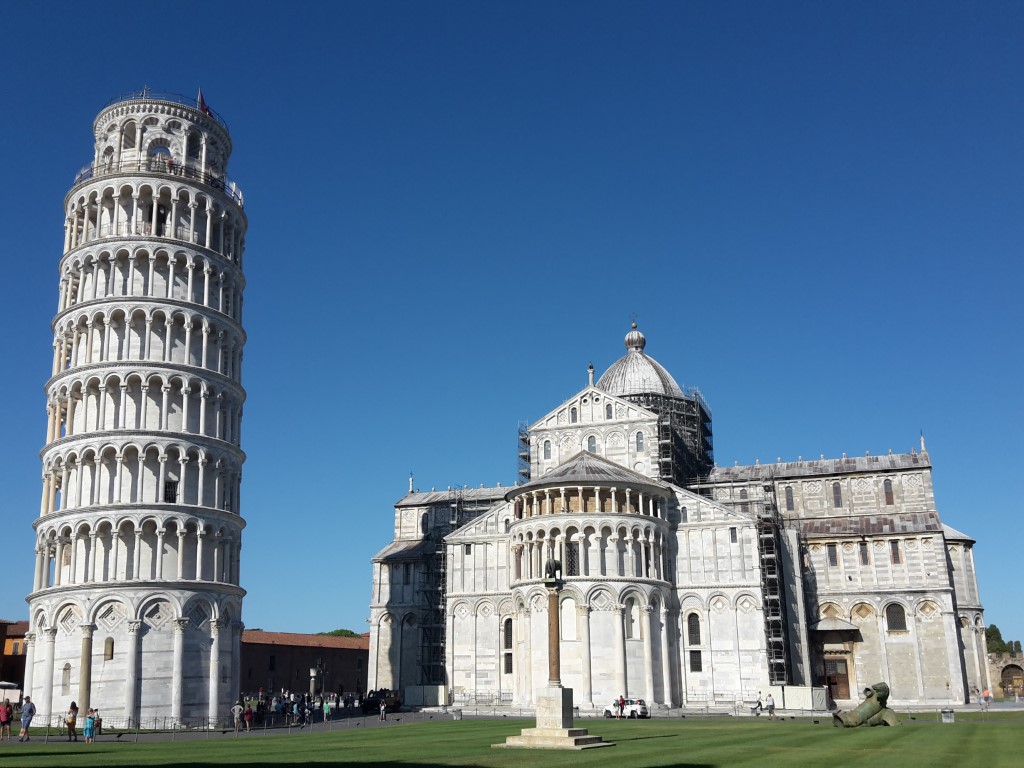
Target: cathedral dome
point(636, 373)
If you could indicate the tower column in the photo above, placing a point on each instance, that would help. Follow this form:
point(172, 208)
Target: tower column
point(178, 669)
point(619, 652)
point(181, 554)
point(37, 576)
point(158, 556)
point(30, 663)
point(85, 668)
point(649, 618)
point(58, 565)
point(45, 706)
point(200, 535)
point(213, 711)
point(666, 668)
point(583, 615)
point(137, 565)
point(131, 678)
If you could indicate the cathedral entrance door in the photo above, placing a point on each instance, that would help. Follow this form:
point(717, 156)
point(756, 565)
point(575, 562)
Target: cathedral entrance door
point(837, 678)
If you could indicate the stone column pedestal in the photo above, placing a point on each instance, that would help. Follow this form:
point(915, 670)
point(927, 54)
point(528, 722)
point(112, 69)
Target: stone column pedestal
point(554, 726)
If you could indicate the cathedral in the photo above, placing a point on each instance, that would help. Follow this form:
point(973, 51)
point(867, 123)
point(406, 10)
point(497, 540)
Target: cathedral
point(684, 583)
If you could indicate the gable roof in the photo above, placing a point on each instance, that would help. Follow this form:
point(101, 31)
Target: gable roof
point(589, 391)
point(478, 496)
point(587, 468)
point(820, 467)
point(952, 534)
point(405, 550)
point(15, 628)
point(871, 525)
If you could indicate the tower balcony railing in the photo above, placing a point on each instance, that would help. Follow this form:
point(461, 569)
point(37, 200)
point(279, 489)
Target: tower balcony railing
point(148, 94)
point(145, 229)
point(164, 166)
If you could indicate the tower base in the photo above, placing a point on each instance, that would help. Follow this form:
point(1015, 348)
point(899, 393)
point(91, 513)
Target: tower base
point(554, 726)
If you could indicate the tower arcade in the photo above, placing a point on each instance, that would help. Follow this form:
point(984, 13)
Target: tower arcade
point(136, 602)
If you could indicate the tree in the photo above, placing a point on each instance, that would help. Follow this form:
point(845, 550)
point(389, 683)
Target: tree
point(994, 640)
point(996, 644)
point(340, 633)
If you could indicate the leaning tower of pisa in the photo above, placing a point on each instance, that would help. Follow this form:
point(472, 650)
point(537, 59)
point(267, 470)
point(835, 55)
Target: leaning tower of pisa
point(136, 604)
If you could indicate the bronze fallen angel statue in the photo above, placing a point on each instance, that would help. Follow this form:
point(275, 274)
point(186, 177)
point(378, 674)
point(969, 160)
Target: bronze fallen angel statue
point(872, 711)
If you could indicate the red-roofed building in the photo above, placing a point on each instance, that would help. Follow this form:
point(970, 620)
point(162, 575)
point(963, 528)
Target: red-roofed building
point(12, 643)
point(276, 660)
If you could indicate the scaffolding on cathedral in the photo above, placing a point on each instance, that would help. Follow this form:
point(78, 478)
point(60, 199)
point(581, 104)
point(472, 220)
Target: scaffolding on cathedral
point(768, 526)
point(768, 546)
point(685, 441)
point(523, 452)
point(461, 506)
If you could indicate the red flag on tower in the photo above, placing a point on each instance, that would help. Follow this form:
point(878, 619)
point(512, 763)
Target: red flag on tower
point(202, 103)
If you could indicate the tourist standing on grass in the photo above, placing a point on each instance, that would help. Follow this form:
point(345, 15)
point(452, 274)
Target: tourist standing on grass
point(383, 710)
point(248, 717)
point(327, 710)
point(236, 712)
point(28, 711)
point(90, 727)
point(6, 716)
point(71, 720)
point(770, 701)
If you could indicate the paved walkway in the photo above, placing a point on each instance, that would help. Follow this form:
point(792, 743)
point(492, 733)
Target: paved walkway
point(404, 718)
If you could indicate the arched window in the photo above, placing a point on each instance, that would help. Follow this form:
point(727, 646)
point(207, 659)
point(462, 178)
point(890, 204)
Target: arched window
point(745, 506)
point(608, 410)
point(592, 444)
point(837, 495)
point(639, 442)
point(547, 450)
point(887, 487)
point(895, 618)
point(693, 629)
point(789, 498)
point(65, 680)
point(108, 649)
point(424, 523)
point(508, 525)
point(573, 416)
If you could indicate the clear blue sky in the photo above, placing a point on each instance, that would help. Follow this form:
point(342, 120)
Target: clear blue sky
point(814, 209)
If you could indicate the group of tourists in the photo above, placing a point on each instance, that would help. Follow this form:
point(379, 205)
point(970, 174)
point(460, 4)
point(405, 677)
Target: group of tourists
point(287, 708)
point(761, 705)
point(28, 712)
point(90, 727)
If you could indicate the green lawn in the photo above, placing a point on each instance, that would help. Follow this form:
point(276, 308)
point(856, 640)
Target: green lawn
point(971, 741)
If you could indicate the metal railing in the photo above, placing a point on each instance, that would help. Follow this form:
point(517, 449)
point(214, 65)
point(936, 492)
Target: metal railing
point(165, 166)
point(147, 94)
point(169, 231)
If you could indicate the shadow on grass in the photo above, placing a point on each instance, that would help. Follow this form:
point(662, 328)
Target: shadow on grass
point(644, 738)
point(537, 757)
point(541, 758)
